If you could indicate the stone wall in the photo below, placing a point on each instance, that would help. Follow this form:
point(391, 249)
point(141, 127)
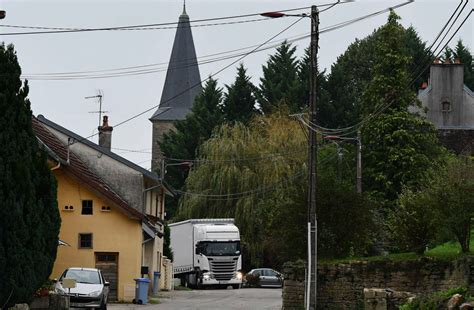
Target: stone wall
point(341, 286)
point(294, 285)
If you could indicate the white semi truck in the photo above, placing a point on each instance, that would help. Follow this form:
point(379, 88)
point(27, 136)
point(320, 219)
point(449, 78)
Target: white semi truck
point(206, 252)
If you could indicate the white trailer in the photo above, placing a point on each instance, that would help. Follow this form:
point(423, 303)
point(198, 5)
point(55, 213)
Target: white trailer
point(206, 252)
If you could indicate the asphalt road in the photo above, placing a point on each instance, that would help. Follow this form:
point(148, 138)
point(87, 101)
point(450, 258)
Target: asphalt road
point(223, 299)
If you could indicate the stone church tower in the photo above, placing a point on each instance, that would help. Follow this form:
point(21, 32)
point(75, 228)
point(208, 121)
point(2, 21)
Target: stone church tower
point(182, 85)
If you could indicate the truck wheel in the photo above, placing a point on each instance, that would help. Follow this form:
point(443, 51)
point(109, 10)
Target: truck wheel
point(236, 286)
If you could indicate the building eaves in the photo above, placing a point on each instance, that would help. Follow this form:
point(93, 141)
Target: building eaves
point(77, 169)
point(98, 148)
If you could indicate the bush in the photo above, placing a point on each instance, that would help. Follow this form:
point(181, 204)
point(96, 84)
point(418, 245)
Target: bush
point(434, 301)
point(252, 280)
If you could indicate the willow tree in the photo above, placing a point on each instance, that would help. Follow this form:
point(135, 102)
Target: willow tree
point(257, 174)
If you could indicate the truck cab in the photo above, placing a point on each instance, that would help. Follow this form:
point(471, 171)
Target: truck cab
point(207, 252)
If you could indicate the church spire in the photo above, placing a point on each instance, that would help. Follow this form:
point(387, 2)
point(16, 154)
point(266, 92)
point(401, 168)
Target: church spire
point(182, 82)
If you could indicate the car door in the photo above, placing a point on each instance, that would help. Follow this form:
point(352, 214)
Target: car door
point(272, 278)
point(264, 277)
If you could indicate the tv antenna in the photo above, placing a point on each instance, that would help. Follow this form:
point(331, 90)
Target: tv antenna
point(99, 96)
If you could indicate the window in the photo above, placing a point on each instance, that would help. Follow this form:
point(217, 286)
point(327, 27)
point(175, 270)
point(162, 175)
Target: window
point(85, 241)
point(445, 106)
point(87, 207)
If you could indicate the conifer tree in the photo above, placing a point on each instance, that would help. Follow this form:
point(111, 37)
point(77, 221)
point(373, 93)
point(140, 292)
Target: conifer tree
point(279, 84)
point(400, 147)
point(239, 102)
point(183, 141)
point(29, 216)
point(465, 56)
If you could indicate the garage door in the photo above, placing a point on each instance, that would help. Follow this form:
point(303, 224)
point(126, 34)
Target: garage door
point(108, 264)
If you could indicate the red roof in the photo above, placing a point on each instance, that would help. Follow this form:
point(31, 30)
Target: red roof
point(77, 169)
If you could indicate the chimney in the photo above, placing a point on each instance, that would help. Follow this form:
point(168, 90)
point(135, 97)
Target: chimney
point(457, 61)
point(424, 85)
point(447, 61)
point(105, 133)
point(436, 61)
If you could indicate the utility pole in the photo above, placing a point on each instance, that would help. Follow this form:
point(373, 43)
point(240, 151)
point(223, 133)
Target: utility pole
point(312, 164)
point(359, 162)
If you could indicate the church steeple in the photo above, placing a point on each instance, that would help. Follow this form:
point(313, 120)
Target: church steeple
point(182, 82)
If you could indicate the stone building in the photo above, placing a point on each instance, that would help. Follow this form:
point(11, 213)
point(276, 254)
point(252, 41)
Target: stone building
point(182, 85)
point(450, 105)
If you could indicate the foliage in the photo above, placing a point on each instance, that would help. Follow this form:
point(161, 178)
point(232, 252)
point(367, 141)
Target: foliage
point(279, 84)
point(413, 223)
point(434, 301)
point(464, 54)
point(252, 280)
point(325, 108)
point(183, 141)
point(29, 216)
point(265, 164)
point(400, 147)
point(257, 175)
point(167, 251)
point(239, 102)
point(453, 194)
point(353, 71)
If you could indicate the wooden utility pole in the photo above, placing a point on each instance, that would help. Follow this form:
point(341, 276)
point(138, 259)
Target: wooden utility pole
point(312, 163)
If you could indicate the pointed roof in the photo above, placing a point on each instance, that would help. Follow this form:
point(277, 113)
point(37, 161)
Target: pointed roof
point(182, 82)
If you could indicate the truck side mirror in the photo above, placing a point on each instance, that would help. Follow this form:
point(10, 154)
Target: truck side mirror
point(198, 251)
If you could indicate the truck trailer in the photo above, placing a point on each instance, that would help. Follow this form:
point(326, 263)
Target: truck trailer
point(206, 252)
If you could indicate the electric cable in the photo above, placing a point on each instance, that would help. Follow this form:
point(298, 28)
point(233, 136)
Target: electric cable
point(60, 76)
point(55, 30)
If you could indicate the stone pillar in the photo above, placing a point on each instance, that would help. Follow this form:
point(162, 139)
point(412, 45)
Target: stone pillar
point(294, 285)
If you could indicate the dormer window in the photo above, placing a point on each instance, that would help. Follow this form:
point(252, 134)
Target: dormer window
point(445, 106)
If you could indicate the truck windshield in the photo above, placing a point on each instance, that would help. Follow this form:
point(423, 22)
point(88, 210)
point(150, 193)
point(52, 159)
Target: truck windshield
point(215, 248)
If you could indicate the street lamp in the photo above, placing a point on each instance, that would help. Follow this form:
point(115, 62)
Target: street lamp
point(358, 140)
point(311, 292)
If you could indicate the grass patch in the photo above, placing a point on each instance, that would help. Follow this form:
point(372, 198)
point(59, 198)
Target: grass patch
point(154, 301)
point(447, 251)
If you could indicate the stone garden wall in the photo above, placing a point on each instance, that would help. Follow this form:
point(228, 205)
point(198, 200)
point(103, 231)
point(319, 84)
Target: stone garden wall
point(341, 286)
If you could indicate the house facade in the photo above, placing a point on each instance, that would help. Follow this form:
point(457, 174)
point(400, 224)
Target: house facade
point(449, 105)
point(111, 209)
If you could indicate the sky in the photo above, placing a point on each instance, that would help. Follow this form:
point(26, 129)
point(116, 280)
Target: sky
point(63, 101)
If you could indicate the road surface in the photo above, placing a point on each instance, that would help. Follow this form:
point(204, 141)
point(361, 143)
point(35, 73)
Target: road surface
point(223, 299)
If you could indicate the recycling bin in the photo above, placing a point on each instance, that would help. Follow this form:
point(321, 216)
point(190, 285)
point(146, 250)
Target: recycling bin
point(141, 291)
point(156, 281)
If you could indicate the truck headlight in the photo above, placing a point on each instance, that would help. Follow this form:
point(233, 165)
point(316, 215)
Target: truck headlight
point(206, 275)
point(238, 275)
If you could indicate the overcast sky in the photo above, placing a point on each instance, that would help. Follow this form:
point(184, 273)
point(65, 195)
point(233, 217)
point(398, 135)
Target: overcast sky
point(62, 101)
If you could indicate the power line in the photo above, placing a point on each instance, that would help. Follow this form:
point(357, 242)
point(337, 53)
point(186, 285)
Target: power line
point(56, 30)
point(73, 76)
point(353, 128)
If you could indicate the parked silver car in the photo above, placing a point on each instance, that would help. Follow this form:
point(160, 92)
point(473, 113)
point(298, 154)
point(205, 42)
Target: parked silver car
point(268, 277)
point(91, 289)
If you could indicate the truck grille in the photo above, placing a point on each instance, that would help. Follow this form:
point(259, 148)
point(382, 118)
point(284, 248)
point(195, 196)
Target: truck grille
point(223, 270)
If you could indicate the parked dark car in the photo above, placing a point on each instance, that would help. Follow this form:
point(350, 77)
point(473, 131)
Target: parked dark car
point(91, 289)
point(267, 277)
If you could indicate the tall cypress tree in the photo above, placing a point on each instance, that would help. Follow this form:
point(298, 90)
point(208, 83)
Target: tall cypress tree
point(29, 216)
point(465, 56)
point(239, 102)
point(279, 84)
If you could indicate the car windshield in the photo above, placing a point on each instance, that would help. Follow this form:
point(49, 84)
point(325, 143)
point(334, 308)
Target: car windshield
point(83, 276)
point(209, 248)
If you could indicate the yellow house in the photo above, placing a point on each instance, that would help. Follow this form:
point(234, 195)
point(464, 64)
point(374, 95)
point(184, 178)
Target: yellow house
point(111, 210)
